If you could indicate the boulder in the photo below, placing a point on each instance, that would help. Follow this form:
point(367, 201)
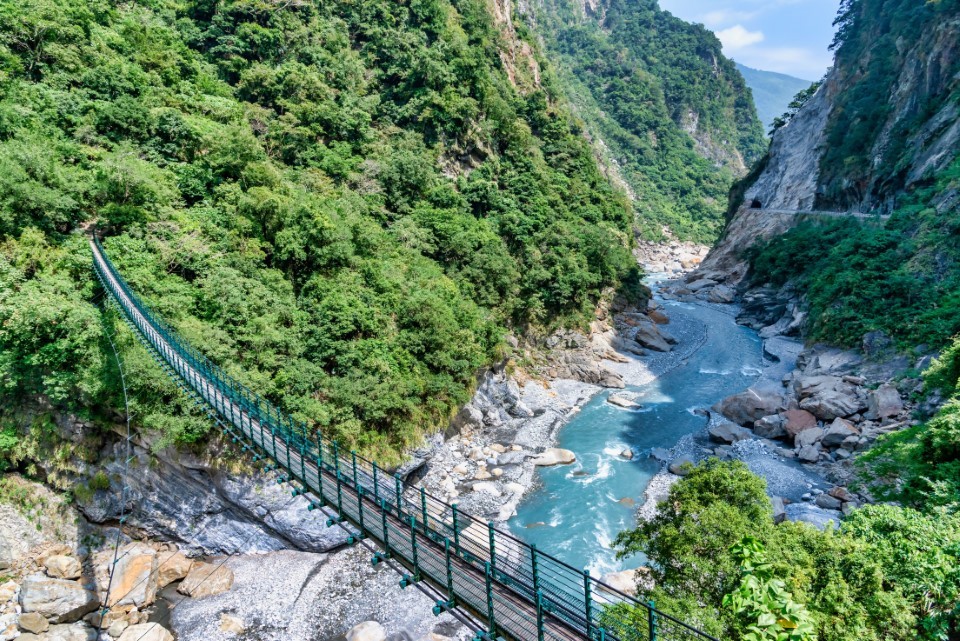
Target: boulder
point(134, 577)
point(749, 406)
point(172, 565)
point(73, 632)
point(63, 567)
point(796, 421)
point(620, 401)
point(647, 335)
point(828, 502)
point(117, 627)
point(658, 317)
point(701, 283)
point(555, 456)
point(33, 622)
point(770, 427)
point(146, 632)
point(842, 493)
point(812, 514)
point(827, 397)
point(681, 466)
point(367, 631)
point(721, 294)
point(883, 402)
point(58, 600)
point(808, 437)
point(627, 454)
point(838, 432)
point(487, 487)
point(231, 624)
point(206, 579)
point(624, 581)
point(809, 454)
point(729, 433)
point(609, 378)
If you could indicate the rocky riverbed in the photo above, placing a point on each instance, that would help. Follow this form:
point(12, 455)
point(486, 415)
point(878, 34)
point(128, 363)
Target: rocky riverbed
point(804, 419)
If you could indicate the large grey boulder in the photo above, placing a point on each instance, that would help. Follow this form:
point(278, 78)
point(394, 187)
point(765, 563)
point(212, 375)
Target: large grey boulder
point(838, 432)
point(729, 433)
point(59, 600)
point(749, 406)
point(555, 456)
point(827, 397)
point(809, 454)
point(681, 466)
point(771, 427)
point(648, 335)
point(808, 437)
point(883, 402)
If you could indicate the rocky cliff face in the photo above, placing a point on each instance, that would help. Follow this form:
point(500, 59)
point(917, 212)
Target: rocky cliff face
point(916, 136)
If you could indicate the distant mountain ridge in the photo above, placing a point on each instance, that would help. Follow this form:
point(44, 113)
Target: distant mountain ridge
point(667, 110)
point(772, 91)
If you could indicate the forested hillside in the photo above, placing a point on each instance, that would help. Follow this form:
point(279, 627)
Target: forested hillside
point(674, 115)
point(772, 92)
point(344, 203)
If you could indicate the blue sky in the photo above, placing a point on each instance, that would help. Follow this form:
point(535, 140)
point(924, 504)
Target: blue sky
point(789, 36)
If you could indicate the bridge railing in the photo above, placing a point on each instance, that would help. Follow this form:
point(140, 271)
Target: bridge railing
point(557, 590)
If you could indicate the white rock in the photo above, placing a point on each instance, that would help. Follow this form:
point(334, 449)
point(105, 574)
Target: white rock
point(63, 567)
point(367, 631)
point(555, 456)
point(146, 632)
point(487, 487)
point(231, 624)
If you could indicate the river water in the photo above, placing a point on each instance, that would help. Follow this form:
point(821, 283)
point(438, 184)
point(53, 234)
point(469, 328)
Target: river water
point(577, 510)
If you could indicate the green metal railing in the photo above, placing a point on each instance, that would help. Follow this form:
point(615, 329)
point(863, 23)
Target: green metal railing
point(512, 589)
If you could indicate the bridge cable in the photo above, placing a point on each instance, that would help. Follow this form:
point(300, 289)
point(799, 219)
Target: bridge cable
point(125, 486)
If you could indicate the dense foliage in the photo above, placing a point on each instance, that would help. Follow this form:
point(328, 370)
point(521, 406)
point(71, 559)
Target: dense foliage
point(888, 573)
point(920, 466)
point(343, 203)
point(873, 48)
point(901, 277)
point(674, 114)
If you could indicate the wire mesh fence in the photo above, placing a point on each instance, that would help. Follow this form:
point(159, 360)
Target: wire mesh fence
point(517, 591)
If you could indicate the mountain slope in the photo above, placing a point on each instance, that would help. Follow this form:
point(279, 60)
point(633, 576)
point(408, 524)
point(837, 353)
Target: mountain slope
point(772, 92)
point(344, 203)
point(670, 113)
point(882, 134)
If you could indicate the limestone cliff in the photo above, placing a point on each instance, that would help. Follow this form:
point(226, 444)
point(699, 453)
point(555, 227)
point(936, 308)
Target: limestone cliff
point(884, 122)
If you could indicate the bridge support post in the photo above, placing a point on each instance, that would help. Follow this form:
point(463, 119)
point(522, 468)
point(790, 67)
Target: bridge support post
point(423, 510)
point(493, 549)
point(652, 620)
point(588, 603)
point(539, 616)
point(398, 489)
point(456, 527)
point(491, 615)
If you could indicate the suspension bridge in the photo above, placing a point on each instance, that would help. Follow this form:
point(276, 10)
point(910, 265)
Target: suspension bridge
point(498, 585)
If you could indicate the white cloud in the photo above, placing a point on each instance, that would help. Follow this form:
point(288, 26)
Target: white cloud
point(796, 61)
point(737, 37)
point(723, 17)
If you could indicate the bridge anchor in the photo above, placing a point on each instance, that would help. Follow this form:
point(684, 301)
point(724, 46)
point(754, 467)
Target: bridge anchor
point(443, 606)
point(409, 580)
